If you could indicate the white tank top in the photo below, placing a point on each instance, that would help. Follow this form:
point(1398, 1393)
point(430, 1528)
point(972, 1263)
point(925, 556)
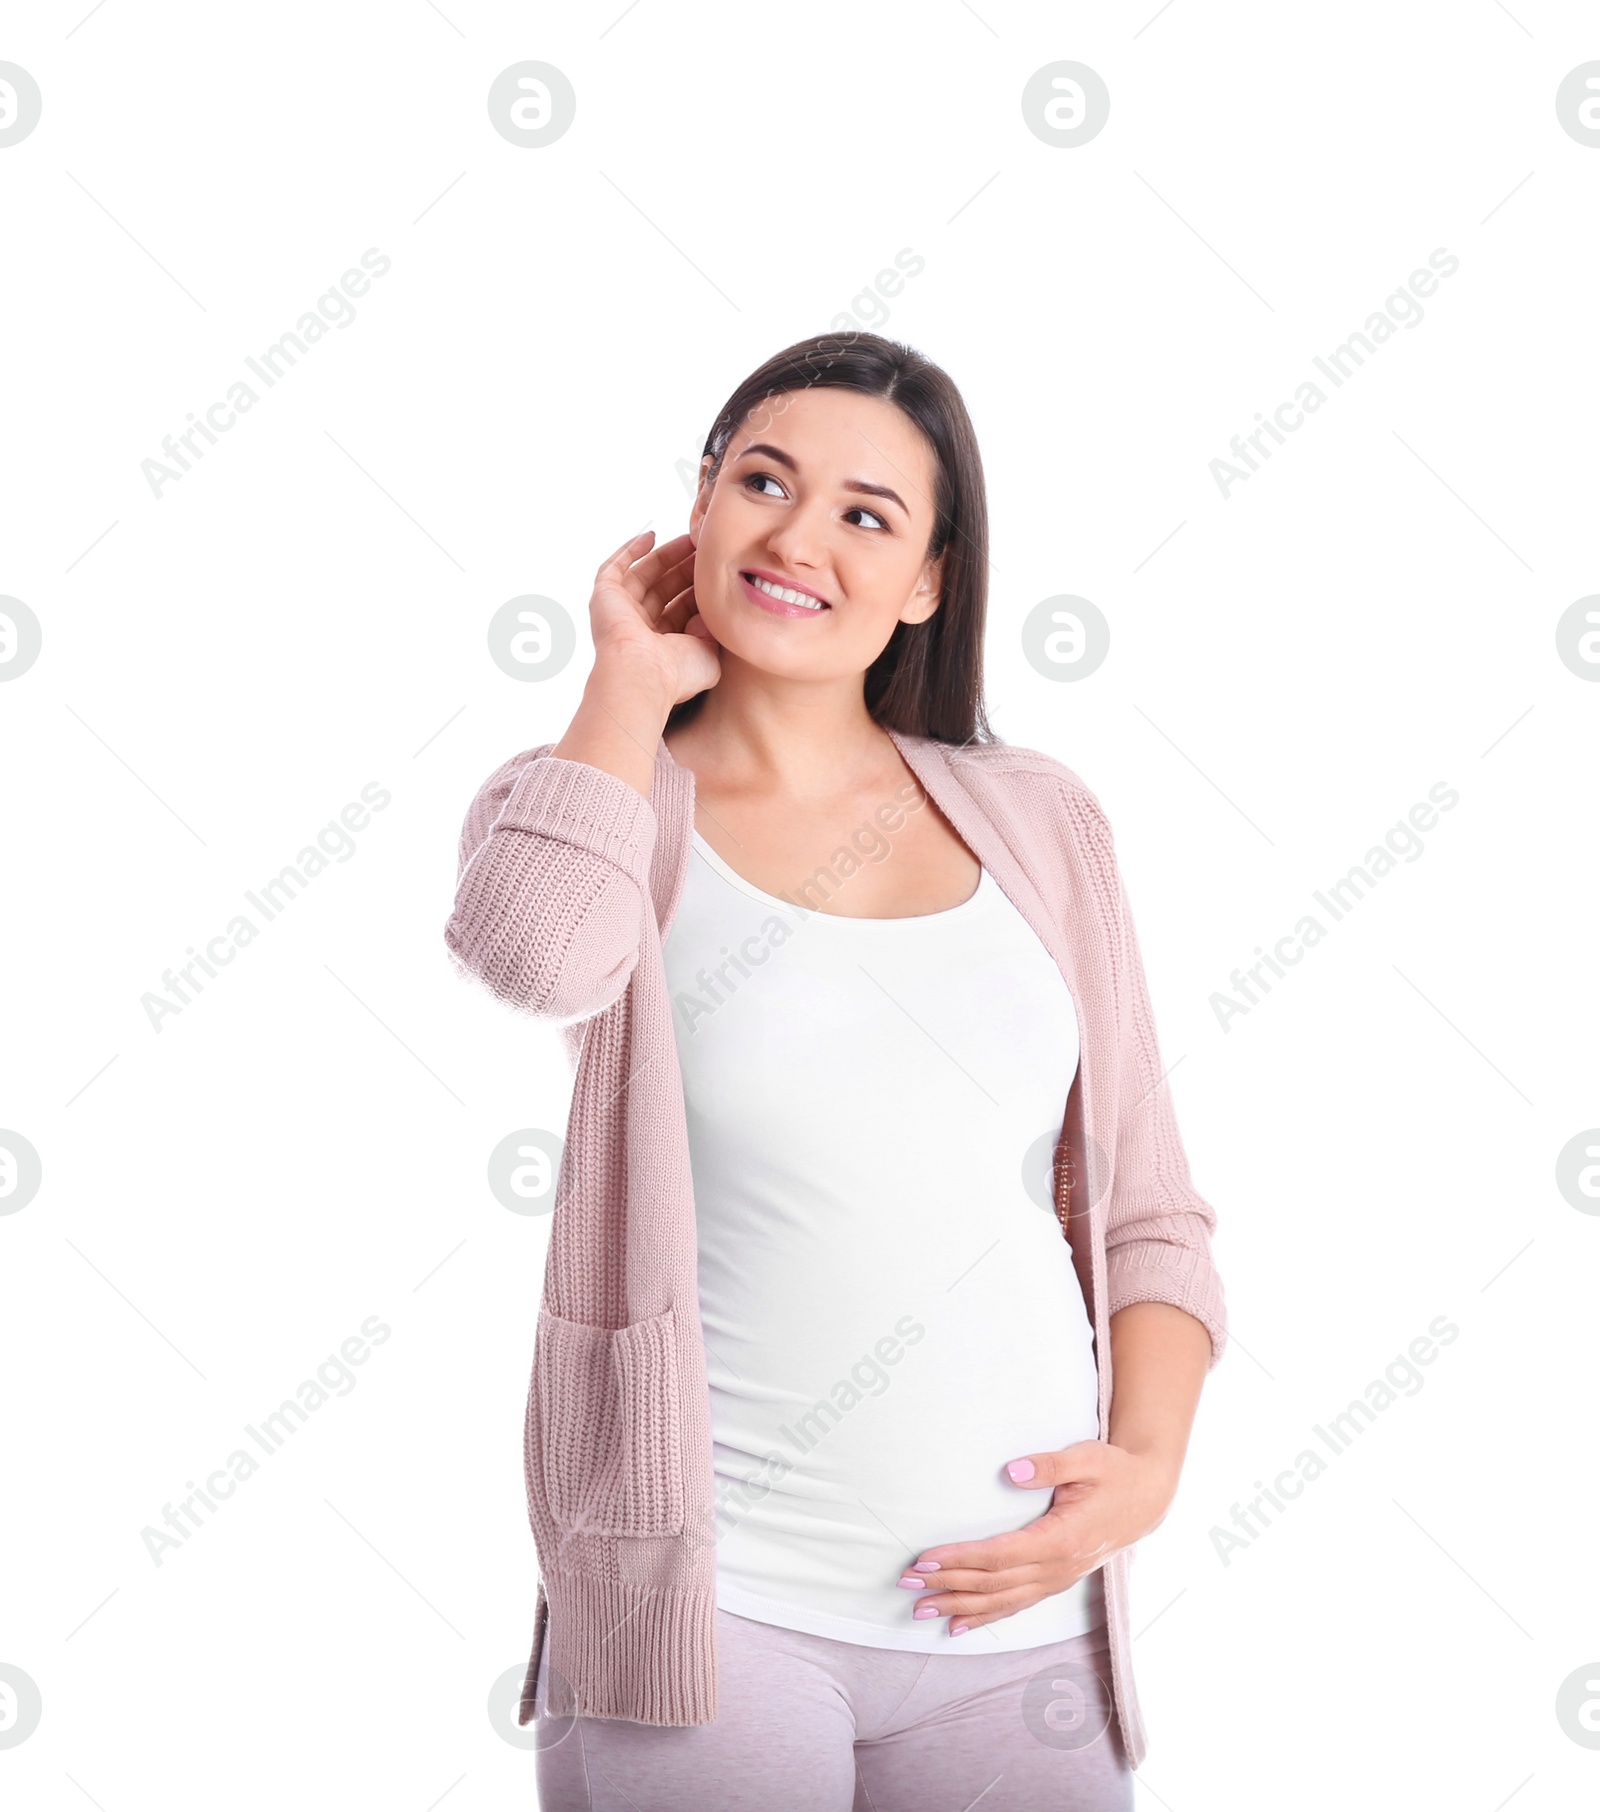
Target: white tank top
point(890, 1310)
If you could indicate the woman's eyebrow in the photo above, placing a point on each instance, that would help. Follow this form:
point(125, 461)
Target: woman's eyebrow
point(781, 458)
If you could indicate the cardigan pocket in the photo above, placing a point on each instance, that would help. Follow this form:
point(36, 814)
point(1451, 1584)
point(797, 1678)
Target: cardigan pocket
point(611, 1450)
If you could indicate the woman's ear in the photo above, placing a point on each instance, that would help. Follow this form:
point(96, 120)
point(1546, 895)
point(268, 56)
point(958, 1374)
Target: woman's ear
point(702, 499)
point(924, 601)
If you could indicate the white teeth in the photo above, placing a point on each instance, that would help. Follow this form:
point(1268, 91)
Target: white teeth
point(786, 594)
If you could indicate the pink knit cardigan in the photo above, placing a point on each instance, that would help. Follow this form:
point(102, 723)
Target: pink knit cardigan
point(567, 885)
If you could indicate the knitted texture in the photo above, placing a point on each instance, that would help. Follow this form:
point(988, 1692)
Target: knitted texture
point(567, 885)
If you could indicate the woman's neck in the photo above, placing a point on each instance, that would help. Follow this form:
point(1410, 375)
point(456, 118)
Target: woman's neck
point(777, 738)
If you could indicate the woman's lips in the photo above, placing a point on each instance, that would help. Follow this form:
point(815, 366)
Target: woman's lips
point(779, 607)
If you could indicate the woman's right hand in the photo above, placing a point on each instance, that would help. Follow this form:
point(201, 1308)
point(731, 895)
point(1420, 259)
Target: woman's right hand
point(644, 620)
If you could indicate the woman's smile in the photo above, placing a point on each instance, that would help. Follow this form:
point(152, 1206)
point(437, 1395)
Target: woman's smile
point(783, 597)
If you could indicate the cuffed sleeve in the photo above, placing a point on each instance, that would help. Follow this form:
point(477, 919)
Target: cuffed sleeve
point(552, 886)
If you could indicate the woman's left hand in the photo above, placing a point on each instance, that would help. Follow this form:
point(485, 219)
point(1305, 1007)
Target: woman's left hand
point(1102, 1498)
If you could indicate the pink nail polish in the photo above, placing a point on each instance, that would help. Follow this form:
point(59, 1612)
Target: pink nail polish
point(913, 1583)
point(959, 1629)
point(926, 1566)
point(1021, 1471)
point(926, 1610)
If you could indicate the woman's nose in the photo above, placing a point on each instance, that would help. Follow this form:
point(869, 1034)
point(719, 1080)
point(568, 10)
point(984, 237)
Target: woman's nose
point(800, 539)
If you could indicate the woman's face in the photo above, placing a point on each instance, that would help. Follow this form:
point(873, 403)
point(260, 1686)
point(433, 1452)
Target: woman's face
point(830, 494)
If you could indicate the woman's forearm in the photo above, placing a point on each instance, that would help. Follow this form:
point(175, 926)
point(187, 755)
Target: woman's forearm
point(1159, 1358)
point(618, 725)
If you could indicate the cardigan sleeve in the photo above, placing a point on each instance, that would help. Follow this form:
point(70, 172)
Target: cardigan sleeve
point(1158, 1225)
point(552, 886)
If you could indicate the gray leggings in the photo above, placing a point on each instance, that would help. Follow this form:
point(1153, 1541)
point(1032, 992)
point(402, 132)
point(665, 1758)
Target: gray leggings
point(807, 1724)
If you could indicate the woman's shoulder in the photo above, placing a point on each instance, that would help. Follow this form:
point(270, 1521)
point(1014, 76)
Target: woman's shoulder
point(1029, 777)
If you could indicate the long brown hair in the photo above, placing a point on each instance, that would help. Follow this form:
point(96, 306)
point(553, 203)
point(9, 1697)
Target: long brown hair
point(928, 681)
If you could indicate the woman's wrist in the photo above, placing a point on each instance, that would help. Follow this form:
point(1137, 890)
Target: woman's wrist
point(1163, 1459)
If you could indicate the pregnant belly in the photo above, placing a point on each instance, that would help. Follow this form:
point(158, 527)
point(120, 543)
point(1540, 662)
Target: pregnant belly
point(825, 1500)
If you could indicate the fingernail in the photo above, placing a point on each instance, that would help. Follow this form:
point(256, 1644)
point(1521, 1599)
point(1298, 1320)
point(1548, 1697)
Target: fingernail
point(926, 1566)
point(959, 1629)
point(1021, 1471)
point(926, 1610)
point(914, 1581)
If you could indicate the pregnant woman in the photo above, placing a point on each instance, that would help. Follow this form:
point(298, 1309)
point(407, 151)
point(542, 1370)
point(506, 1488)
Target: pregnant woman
point(878, 1300)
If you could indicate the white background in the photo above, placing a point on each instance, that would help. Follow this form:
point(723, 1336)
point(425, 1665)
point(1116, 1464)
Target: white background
point(304, 1146)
